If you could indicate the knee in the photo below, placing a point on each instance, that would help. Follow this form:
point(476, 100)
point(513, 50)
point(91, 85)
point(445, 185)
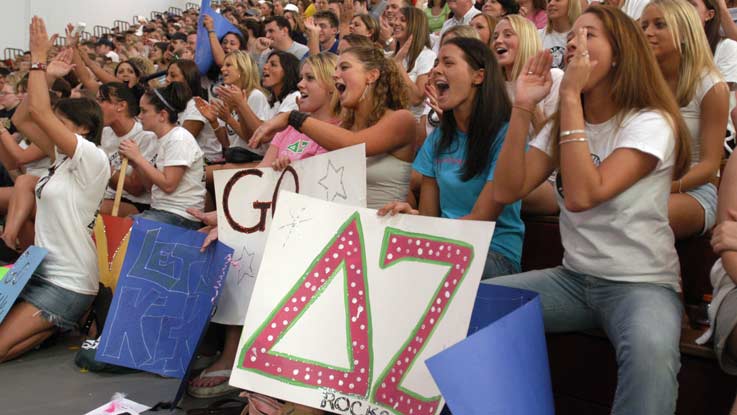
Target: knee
point(651, 350)
point(26, 181)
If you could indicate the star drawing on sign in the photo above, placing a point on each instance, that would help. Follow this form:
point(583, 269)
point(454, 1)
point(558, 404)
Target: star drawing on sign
point(292, 226)
point(332, 182)
point(245, 264)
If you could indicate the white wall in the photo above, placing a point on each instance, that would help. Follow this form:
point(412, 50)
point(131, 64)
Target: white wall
point(57, 13)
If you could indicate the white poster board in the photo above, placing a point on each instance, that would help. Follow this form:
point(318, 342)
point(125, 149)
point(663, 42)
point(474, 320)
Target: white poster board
point(349, 305)
point(246, 200)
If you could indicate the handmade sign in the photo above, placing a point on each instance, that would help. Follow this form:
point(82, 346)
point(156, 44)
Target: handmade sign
point(112, 235)
point(348, 306)
point(503, 367)
point(247, 200)
point(13, 278)
point(164, 299)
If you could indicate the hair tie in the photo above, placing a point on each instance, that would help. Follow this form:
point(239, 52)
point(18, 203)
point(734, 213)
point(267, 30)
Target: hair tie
point(163, 101)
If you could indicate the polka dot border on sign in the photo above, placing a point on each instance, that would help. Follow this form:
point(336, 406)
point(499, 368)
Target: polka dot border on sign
point(400, 246)
point(346, 249)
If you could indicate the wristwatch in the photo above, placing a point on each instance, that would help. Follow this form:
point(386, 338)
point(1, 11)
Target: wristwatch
point(38, 66)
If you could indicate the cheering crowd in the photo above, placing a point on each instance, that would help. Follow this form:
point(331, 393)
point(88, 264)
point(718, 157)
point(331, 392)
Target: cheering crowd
point(617, 117)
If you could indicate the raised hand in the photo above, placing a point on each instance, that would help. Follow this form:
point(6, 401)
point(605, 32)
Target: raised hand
point(534, 82)
point(206, 110)
point(40, 43)
point(61, 65)
point(222, 109)
point(579, 68)
point(402, 53)
point(72, 39)
point(208, 23)
point(231, 95)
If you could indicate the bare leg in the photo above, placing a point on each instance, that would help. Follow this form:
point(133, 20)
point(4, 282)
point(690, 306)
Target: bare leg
point(21, 207)
point(685, 214)
point(226, 359)
point(22, 329)
point(5, 194)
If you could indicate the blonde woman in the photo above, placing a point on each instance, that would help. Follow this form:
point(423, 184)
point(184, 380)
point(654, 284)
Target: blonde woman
point(240, 71)
point(679, 44)
point(515, 42)
point(561, 15)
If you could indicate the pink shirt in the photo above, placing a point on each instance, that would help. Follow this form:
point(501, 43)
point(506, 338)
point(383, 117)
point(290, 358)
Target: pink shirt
point(295, 145)
point(540, 19)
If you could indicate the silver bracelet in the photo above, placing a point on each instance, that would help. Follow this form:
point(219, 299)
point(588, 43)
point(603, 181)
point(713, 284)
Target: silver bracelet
point(573, 140)
point(570, 132)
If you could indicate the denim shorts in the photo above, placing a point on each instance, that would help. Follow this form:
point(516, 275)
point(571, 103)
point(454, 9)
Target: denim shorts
point(169, 218)
point(59, 306)
point(706, 195)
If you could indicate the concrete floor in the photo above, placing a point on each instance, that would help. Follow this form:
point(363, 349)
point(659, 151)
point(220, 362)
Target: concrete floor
point(47, 381)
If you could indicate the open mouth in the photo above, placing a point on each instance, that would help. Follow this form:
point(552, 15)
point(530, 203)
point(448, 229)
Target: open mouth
point(340, 87)
point(501, 51)
point(442, 87)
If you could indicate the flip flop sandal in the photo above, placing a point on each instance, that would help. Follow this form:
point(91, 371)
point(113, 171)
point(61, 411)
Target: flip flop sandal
point(221, 407)
point(215, 391)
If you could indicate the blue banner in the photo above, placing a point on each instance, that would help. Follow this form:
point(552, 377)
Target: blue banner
point(203, 53)
point(164, 299)
point(502, 367)
point(13, 278)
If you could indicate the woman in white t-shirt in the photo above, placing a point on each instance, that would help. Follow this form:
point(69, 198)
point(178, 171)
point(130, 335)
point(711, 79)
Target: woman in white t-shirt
point(619, 141)
point(561, 15)
point(704, 100)
point(177, 178)
point(413, 55)
point(186, 72)
point(715, 18)
point(67, 199)
point(119, 109)
point(515, 42)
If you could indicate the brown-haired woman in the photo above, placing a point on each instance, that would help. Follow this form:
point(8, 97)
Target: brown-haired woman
point(374, 98)
point(619, 141)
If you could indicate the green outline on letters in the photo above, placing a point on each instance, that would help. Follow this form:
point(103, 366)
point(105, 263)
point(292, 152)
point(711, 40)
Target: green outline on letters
point(389, 231)
point(355, 217)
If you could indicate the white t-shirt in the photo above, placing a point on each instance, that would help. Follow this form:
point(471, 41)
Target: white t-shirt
point(626, 238)
point(423, 65)
point(632, 8)
point(692, 113)
point(147, 143)
point(67, 201)
point(725, 57)
point(179, 148)
point(555, 42)
point(206, 139)
point(259, 104)
point(36, 168)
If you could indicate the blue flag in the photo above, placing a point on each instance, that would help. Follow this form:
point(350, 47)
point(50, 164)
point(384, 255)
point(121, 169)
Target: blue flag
point(203, 53)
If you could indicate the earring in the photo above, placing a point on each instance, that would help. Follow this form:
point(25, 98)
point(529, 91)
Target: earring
point(365, 91)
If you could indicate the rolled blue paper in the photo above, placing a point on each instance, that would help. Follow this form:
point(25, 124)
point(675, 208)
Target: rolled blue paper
point(203, 52)
point(502, 367)
point(164, 299)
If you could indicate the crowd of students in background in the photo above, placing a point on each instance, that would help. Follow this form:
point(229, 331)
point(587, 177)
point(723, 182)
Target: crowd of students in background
point(617, 117)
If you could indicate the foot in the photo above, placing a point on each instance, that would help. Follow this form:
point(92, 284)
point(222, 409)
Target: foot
point(206, 382)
